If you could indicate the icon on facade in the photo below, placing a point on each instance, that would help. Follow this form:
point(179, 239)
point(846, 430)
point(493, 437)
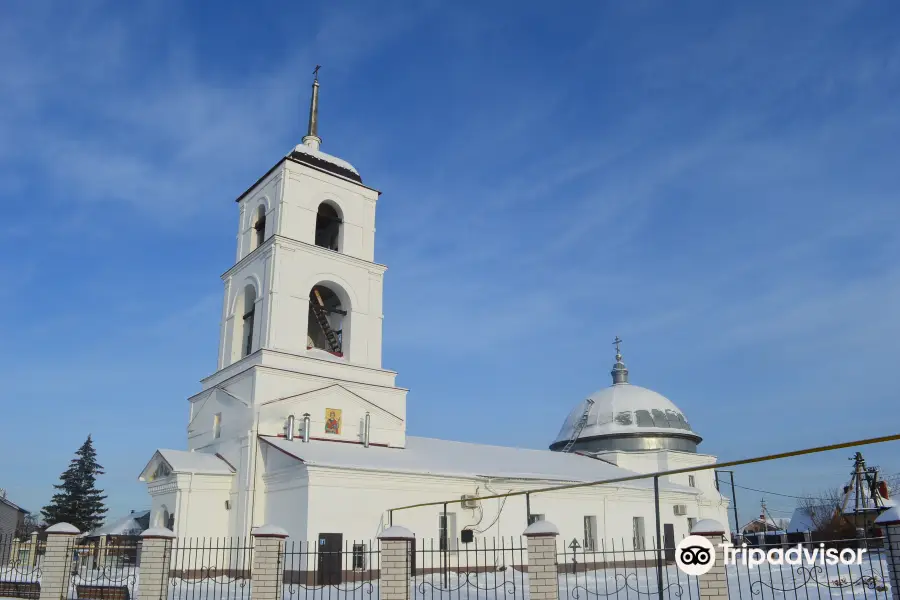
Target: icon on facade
point(332, 420)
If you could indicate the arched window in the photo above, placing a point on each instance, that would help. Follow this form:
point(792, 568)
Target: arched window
point(259, 227)
point(162, 518)
point(328, 227)
point(326, 321)
point(249, 315)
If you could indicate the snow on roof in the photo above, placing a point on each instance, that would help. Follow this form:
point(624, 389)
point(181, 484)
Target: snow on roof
point(127, 525)
point(324, 156)
point(181, 461)
point(448, 458)
point(802, 518)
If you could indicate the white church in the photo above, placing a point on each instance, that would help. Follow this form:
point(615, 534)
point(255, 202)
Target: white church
point(301, 426)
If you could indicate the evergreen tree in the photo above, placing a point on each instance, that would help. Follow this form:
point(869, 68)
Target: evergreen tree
point(77, 500)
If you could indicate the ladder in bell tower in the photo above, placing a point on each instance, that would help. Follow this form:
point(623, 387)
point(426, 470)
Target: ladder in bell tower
point(579, 427)
point(318, 309)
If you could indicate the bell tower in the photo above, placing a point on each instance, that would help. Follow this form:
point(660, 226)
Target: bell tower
point(301, 329)
point(305, 281)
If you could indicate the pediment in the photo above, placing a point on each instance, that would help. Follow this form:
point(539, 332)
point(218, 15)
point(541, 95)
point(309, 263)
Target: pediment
point(338, 394)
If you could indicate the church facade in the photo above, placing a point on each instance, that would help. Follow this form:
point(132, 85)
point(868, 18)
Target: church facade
point(302, 427)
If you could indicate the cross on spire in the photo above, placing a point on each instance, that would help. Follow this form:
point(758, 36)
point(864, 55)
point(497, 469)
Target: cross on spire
point(620, 371)
point(316, 72)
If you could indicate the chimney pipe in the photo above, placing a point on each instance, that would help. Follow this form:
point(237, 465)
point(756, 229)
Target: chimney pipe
point(305, 428)
point(289, 434)
point(366, 429)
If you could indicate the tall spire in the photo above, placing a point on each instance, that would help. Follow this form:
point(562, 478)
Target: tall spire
point(312, 138)
point(619, 371)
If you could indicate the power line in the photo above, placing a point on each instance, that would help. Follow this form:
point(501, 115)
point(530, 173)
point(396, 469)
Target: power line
point(775, 493)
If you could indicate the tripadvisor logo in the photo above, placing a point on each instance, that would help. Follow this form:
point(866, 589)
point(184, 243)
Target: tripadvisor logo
point(695, 555)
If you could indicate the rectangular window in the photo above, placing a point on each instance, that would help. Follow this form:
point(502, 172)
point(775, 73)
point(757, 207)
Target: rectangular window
point(359, 557)
point(637, 524)
point(691, 481)
point(447, 531)
point(691, 521)
point(590, 532)
point(535, 518)
point(217, 425)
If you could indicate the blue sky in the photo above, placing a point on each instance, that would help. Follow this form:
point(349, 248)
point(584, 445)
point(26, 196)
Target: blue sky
point(711, 181)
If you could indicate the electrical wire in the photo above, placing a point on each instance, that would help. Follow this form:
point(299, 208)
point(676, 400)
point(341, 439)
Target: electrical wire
point(743, 487)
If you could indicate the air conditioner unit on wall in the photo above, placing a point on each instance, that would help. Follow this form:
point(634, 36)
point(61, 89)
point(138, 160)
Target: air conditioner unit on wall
point(680, 509)
point(469, 501)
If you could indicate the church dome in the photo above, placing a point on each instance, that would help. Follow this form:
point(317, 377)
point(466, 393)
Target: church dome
point(625, 417)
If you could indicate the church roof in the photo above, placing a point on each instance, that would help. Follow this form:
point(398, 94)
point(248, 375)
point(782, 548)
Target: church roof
point(181, 461)
point(447, 458)
point(624, 408)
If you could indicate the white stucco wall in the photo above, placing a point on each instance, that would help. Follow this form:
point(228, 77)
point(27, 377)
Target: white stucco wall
point(356, 503)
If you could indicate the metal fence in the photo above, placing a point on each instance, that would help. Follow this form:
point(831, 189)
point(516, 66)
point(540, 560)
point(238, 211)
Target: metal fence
point(210, 569)
point(331, 570)
point(104, 572)
point(20, 567)
point(482, 568)
point(622, 569)
point(811, 580)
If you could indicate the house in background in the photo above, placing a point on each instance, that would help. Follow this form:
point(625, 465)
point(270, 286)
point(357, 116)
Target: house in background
point(12, 516)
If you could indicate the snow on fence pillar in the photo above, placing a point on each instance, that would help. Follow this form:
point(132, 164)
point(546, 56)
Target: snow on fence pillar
point(267, 570)
point(543, 579)
point(395, 563)
point(889, 520)
point(57, 568)
point(714, 583)
point(155, 561)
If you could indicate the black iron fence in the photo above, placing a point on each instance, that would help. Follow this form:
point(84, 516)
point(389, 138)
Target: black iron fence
point(331, 570)
point(20, 567)
point(104, 572)
point(482, 568)
point(622, 569)
point(210, 569)
point(820, 573)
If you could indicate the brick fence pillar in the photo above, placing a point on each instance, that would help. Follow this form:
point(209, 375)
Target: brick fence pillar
point(395, 571)
point(543, 578)
point(56, 570)
point(889, 520)
point(155, 563)
point(267, 568)
point(714, 583)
